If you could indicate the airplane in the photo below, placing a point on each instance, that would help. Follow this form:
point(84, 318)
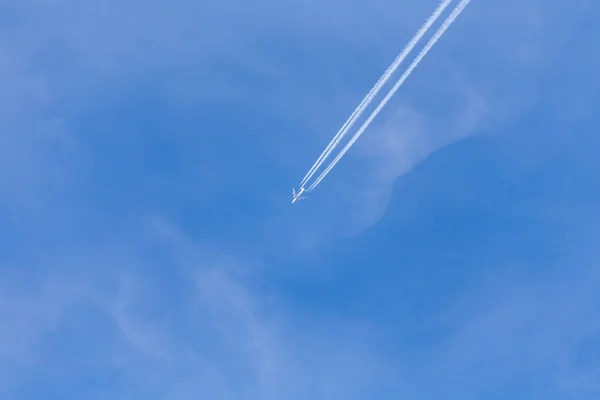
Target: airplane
point(298, 196)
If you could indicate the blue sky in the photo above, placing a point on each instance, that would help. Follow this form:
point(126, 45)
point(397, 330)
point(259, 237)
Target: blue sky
point(149, 248)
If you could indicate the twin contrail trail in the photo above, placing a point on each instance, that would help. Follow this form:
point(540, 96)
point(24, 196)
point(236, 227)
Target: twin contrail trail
point(373, 92)
point(451, 18)
point(382, 80)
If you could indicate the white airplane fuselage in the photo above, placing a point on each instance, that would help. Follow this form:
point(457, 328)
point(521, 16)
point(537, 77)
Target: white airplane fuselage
point(298, 196)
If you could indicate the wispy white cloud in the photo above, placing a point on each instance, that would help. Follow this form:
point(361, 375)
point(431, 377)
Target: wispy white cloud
point(199, 332)
point(408, 138)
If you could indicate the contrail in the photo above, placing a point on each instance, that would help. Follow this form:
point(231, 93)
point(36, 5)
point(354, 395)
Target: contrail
point(455, 13)
point(375, 89)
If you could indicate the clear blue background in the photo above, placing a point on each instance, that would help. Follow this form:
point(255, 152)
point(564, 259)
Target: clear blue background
point(149, 249)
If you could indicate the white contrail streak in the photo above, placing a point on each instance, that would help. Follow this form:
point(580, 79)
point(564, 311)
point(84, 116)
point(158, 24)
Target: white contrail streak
point(373, 92)
point(455, 13)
